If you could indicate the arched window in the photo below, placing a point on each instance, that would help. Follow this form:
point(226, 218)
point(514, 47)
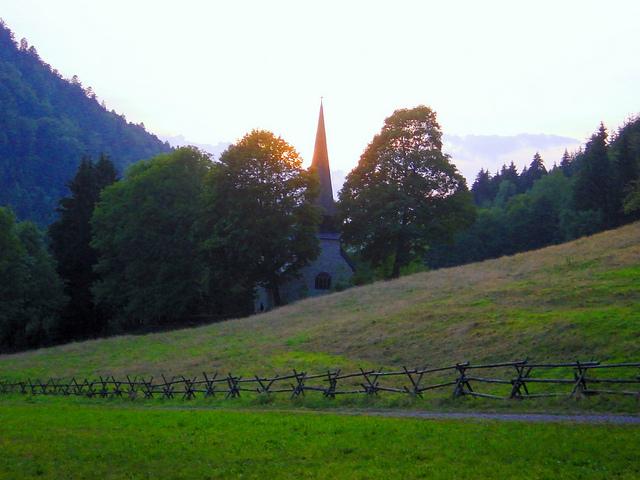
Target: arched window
point(323, 281)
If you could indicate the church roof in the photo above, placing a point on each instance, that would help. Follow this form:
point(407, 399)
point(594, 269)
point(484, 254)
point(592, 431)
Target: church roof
point(320, 164)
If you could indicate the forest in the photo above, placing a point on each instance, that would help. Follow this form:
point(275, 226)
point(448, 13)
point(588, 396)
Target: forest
point(47, 124)
point(584, 192)
point(104, 229)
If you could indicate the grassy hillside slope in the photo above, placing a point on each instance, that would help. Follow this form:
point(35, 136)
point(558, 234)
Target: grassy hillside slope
point(576, 300)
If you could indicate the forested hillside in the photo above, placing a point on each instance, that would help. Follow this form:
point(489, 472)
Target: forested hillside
point(47, 124)
point(593, 189)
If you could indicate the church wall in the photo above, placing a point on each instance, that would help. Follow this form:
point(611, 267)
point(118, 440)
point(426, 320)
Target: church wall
point(330, 260)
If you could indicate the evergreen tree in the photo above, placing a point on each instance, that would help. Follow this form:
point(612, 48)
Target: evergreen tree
point(565, 164)
point(495, 184)
point(404, 194)
point(510, 173)
point(535, 172)
point(592, 189)
point(70, 242)
point(481, 188)
point(625, 159)
point(105, 172)
point(536, 167)
point(523, 180)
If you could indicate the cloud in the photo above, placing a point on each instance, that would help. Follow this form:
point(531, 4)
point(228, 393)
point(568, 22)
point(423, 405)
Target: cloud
point(470, 153)
point(180, 141)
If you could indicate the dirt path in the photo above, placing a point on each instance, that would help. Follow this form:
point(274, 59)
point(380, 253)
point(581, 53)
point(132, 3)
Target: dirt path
point(504, 417)
point(595, 418)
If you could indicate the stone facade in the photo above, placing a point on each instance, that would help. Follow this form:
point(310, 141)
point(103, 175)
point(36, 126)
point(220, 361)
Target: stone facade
point(330, 271)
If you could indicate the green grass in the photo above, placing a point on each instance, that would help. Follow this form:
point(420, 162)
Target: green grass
point(575, 301)
point(579, 300)
point(55, 438)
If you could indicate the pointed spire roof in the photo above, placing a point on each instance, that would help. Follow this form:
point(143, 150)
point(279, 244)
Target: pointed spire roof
point(320, 164)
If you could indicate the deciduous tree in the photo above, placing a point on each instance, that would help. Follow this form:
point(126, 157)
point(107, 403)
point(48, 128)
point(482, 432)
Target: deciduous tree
point(261, 212)
point(404, 193)
point(144, 231)
point(30, 290)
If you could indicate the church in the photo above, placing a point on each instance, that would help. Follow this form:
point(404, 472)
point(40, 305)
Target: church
point(332, 269)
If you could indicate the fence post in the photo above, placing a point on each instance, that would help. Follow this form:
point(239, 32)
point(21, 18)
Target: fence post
point(330, 392)
point(234, 387)
point(461, 381)
point(209, 385)
point(147, 387)
point(371, 387)
point(580, 385)
point(298, 389)
point(520, 382)
point(131, 392)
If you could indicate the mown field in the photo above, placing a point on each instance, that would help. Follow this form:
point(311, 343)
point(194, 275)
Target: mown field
point(59, 438)
point(576, 300)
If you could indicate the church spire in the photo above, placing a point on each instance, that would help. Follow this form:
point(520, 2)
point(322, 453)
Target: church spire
point(320, 164)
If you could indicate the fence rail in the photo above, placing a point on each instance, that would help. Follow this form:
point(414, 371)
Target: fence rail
point(505, 380)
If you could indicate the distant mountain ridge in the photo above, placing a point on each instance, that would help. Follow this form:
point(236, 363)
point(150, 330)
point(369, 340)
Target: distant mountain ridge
point(47, 124)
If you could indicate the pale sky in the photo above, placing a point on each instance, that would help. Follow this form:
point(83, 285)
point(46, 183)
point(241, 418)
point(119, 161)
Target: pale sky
point(212, 71)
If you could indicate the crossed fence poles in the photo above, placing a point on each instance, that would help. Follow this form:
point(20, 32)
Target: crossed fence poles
point(464, 379)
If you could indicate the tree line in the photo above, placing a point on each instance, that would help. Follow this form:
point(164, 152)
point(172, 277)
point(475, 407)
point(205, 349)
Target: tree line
point(593, 189)
point(182, 238)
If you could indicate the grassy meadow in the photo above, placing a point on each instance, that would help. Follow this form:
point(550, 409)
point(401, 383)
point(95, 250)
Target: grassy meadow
point(579, 300)
point(57, 438)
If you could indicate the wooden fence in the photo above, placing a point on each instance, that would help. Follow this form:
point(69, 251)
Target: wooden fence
point(506, 380)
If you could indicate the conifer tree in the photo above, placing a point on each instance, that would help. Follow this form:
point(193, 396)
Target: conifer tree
point(496, 179)
point(70, 242)
point(510, 173)
point(523, 180)
point(625, 159)
point(105, 172)
point(592, 189)
point(481, 188)
point(565, 164)
point(535, 172)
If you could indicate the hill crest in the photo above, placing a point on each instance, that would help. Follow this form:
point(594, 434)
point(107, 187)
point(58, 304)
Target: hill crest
point(47, 123)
